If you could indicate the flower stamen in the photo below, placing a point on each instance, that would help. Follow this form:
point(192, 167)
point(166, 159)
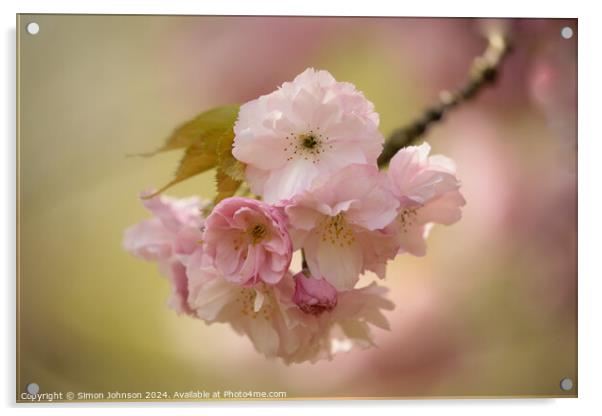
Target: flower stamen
point(257, 233)
point(337, 231)
point(407, 218)
point(309, 141)
point(308, 145)
point(246, 298)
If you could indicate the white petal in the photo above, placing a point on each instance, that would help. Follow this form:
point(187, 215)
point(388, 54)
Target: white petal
point(259, 298)
point(413, 240)
point(211, 298)
point(264, 336)
point(340, 265)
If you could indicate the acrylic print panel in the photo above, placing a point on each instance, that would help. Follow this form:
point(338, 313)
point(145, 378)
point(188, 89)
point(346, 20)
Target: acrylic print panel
point(224, 208)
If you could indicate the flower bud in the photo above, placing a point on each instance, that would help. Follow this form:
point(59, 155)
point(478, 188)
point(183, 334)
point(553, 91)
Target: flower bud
point(312, 295)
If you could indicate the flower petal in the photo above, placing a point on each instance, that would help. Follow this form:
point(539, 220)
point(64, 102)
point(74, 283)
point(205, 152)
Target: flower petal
point(340, 265)
point(443, 210)
point(149, 240)
point(295, 176)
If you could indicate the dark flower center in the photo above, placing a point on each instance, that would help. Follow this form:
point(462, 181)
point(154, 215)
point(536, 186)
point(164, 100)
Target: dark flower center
point(257, 233)
point(309, 141)
point(307, 145)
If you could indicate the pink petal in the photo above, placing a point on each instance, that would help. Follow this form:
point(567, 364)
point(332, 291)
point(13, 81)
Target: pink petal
point(266, 151)
point(339, 265)
point(443, 210)
point(294, 177)
point(178, 301)
point(429, 184)
point(149, 240)
point(210, 298)
point(302, 217)
point(413, 240)
point(264, 337)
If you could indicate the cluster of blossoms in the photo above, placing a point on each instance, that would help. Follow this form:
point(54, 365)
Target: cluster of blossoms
point(310, 150)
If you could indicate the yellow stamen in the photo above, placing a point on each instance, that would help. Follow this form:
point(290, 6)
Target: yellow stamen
point(257, 233)
point(337, 231)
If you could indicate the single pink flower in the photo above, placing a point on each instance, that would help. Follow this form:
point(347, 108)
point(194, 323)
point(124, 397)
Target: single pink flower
point(344, 327)
point(308, 128)
point(168, 238)
point(264, 313)
point(428, 191)
point(248, 241)
point(314, 295)
point(337, 222)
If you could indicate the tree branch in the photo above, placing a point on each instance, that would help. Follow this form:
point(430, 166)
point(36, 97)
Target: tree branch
point(484, 71)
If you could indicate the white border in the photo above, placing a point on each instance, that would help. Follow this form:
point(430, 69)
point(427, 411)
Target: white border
point(590, 186)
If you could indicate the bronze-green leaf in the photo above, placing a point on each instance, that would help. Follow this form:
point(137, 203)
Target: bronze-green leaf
point(227, 162)
point(210, 123)
point(208, 140)
point(196, 160)
point(226, 185)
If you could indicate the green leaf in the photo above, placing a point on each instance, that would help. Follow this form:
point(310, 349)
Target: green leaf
point(196, 160)
point(227, 162)
point(208, 139)
point(211, 123)
point(226, 186)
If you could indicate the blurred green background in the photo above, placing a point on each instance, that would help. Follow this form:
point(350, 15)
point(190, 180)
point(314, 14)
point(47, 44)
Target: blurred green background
point(491, 309)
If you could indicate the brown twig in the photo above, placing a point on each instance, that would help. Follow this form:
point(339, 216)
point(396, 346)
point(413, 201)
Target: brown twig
point(484, 71)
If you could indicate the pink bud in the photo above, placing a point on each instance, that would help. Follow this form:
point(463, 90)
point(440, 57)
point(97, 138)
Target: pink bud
point(314, 296)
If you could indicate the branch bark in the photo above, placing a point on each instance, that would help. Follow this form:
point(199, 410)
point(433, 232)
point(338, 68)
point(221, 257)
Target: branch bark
point(484, 71)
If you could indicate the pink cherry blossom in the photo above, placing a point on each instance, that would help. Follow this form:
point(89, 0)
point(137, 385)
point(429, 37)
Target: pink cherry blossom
point(248, 241)
point(264, 313)
point(428, 191)
point(275, 324)
point(314, 295)
point(344, 327)
point(168, 238)
point(310, 150)
point(308, 128)
point(338, 222)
